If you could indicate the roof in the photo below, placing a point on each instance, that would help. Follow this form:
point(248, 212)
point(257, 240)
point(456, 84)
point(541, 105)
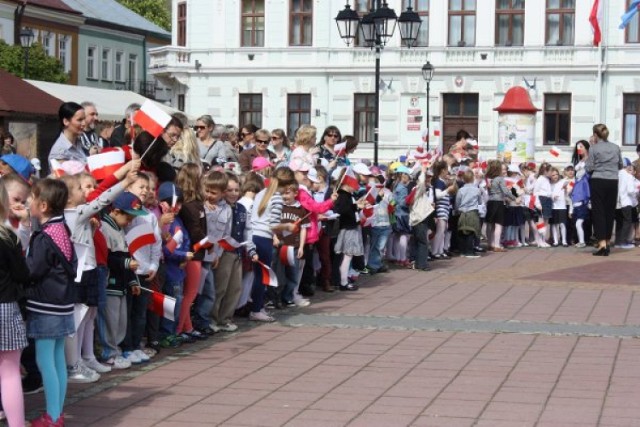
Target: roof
point(112, 12)
point(18, 96)
point(52, 4)
point(110, 103)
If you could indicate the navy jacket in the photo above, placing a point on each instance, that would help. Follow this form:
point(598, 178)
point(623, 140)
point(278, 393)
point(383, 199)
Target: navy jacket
point(14, 273)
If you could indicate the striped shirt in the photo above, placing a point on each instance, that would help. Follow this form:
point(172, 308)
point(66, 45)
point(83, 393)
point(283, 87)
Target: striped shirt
point(261, 224)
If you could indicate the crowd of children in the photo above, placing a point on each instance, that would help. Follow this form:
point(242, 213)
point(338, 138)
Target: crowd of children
point(82, 260)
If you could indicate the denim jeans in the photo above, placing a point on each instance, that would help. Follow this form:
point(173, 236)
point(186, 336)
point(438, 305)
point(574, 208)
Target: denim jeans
point(379, 236)
point(292, 276)
point(264, 248)
point(203, 305)
point(172, 289)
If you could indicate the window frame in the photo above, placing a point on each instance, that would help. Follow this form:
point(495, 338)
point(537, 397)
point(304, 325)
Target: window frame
point(109, 62)
point(635, 21)
point(463, 13)
point(424, 15)
point(304, 17)
point(64, 45)
point(561, 11)
point(254, 15)
point(626, 112)
point(91, 68)
point(359, 42)
point(182, 24)
point(369, 111)
point(133, 58)
point(299, 111)
point(511, 13)
point(120, 65)
point(251, 111)
point(557, 113)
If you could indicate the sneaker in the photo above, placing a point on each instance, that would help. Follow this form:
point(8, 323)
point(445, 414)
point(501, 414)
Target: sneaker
point(289, 304)
point(141, 355)
point(625, 246)
point(150, 352)
point(215, 328)
point(131, 357)
point(365, 271)
point(45, 420)
point(185, 338)
point(31, 385)
point(580, 245)
point(229, 327)
point(260, 316)
point(118, 362)
point(269, 304)
point(198, 335)
point(471, 256)
point(208, 331)
point(302, 302)
point(153, 345)
point(349, 287)
point(80, 374)
point(170, 341)
point(383, 269)
point(96, 366)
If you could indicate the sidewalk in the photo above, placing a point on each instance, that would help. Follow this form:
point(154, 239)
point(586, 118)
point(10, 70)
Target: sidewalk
point(530, 337)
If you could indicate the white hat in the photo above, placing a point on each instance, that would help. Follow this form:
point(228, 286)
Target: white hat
point(335, 175)
point(513, 168)
point(313, 176)
point(361, 169)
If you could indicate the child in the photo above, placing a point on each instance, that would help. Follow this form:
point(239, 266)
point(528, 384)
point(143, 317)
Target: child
point(52, 263)
point(468, 199)
point(627, 199)
point(122, 279)
point(559, 212)
point(265, 220)
point(381, 224)
point(18, 215)
point(14, 275)
point(321, 192)
point(442, 193)
point(228, 274)
point(543, 201)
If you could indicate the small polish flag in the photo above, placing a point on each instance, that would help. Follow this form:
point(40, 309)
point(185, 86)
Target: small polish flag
point(140, 236)
point(203, 244)
point(555, 151)
point(349, 178)
point(105, 164)
point(151, 118)
point(287, 255)
point(366, 220)
point(372, 194)
point(340, 149)
point(56, 168)
point(541, 227)
point(532, 202)
point(268, 275)
point(229, 244)
point(511, 182)
point(163, 305)
point(175, 240)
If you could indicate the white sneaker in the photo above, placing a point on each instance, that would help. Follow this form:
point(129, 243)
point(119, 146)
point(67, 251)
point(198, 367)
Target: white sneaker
point(96, 366)
point(141, 355)
point(260, 316)
point(229, 327)
point(215, 328)
point(131, 357)
point(625, 246)
point(118, 362)
point(81, 374)
point(302, 302)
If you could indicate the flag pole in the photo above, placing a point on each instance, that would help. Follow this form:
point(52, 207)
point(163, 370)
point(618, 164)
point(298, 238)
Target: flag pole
point(146, 289)
point(148, 148)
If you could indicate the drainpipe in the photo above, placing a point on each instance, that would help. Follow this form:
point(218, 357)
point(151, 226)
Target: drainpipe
point(144, 64)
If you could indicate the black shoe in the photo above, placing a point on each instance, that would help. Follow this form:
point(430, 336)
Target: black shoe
point(32, 385)
point(197, 335)
point(155, 345)
point(601, 252)
point(185, 338)
point(207, 331)
point(383, 269)
point(479, 249)
point(608, 250)
point(349, 287)
point(370, 270)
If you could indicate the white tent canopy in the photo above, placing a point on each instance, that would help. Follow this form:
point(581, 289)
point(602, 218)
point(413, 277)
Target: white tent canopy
point(110, 103)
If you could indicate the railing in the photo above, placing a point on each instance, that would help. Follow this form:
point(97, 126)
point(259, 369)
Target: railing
point(146, 88)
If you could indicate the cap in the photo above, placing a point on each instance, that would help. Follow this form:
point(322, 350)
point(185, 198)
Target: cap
point(35, 162)
point(626, 162)
point(403, 169)
point(313, 176)
point(19, 164)
point(129, 203)
point(393, 166)
point(361, 169)
point(513, 168)
point(260, 163)
point(167, 190)
point(299, 165)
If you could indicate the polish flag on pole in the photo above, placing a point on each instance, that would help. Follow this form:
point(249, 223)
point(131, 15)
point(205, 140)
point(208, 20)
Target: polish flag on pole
point(372, 194)
point(175, 240)
point(268, 275)
point(56, 168)
point(349, 178)
point(555, 151)
point(162, 305)
point(203, 245)
point(532, 202)
point(340, 149)
point(140, 236)
point(105, 164)
point(229, 244)
point(287, 255)
point(541, 227)
point(595, 17)
point(151, 118)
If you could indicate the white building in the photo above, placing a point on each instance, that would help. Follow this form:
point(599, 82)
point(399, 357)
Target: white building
point(280, 63)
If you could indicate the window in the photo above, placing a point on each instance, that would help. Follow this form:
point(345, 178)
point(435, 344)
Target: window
point(421, 7)
point(462, 22)
point(301, 23)
point(557, 119)
point(560, 22)
point(91, 62)
point(633, 29)
point(252, 23)
point(298, 112)
point(64, 52)
point(509, 22)
point(182, 24)
point(47, 43)
point(181, 102)
point(250, 109)
point(631, 119)
point(119, 75)
point(364, 114)
point(106, 64)
point(362, 7)
point(133, 70)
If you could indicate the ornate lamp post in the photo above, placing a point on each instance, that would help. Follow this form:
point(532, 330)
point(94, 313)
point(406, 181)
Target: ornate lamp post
point(377, 28)
point(427, 75)
point(26, 40)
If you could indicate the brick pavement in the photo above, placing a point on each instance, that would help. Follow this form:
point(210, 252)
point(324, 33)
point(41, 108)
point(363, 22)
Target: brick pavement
point(525, 338)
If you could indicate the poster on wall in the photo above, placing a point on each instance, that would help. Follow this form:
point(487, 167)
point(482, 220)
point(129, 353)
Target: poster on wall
point(516, 142)
point(414, 119)
point(26, 137)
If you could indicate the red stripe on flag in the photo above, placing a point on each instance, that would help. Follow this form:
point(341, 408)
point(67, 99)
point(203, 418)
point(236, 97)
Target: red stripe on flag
point(103, 173)
point(229, 244)
point(141, 241)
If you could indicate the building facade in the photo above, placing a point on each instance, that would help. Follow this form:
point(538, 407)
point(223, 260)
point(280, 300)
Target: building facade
point(281, 63)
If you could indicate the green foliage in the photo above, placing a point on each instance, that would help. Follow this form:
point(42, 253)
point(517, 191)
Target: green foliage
point(156, 11)
point(41, 66)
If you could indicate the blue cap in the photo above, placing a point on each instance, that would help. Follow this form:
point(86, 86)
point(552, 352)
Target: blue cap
point(626, 162)
point(21, 165)
point(403, 169)
point(129, 203)
point(167, 190)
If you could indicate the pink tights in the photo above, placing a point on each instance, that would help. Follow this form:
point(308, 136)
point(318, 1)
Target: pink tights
point(11, 386)
point(189, 293)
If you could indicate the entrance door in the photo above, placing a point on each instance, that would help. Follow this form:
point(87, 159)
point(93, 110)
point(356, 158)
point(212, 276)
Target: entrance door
point(460, 113)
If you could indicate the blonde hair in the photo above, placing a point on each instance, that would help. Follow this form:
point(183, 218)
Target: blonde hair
point(306, 136)
point(189, 181)
point(263, 133)
point(187, 147)
point(281, 178)
point(6, 235)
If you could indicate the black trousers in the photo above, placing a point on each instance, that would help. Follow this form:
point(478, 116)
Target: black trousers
point(604, 195)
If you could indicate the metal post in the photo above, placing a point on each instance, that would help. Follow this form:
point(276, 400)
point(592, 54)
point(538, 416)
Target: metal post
point(428, 129)
point(26, 61)
point(376, 122)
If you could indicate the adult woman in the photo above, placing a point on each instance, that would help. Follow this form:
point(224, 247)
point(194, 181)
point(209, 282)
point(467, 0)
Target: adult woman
point(8, 144)
point(67, 146)
point(263, 137)
point(233, 148)
point(304, 149)
point(603, 164)
point(203, 127)
point(185, 150)
point(280, 146)
point(247, 136)
point(498, 193)
point(330, 137)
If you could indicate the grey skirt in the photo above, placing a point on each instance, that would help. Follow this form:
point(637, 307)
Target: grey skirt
point(13, 334)
point(349, 242)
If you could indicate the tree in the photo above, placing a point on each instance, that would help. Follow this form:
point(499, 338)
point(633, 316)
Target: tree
point(41, 66)
point(156, 11)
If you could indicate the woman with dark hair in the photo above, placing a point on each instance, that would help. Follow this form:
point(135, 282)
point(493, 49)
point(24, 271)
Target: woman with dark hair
point(280, 146)
point(149, 151)
point(247, 137)
point(603, 163)
point(580, 154)
point(7, 144)
point(67, 146)
point(330, 137)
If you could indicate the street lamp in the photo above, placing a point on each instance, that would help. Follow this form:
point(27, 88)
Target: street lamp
point(427, 74)
point(26, 40)
point(377, 28)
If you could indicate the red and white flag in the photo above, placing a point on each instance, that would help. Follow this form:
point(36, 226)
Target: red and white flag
point(532, 202)
point(340, 149)
point(287, 255)
point(151, 118)
point(56, 168)
point(268, 275)
point(372, 194)
point(541, 227)
point(229, 244)
point(349, 178)
point(175, 241)
point(163, 305)
point(140, 236)
point(555, 152)
point(203, 244)
point(103, 165)
point(595, 17)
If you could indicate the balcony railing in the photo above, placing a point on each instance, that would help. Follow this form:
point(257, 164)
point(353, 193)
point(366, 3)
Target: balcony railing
point(146, 88)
